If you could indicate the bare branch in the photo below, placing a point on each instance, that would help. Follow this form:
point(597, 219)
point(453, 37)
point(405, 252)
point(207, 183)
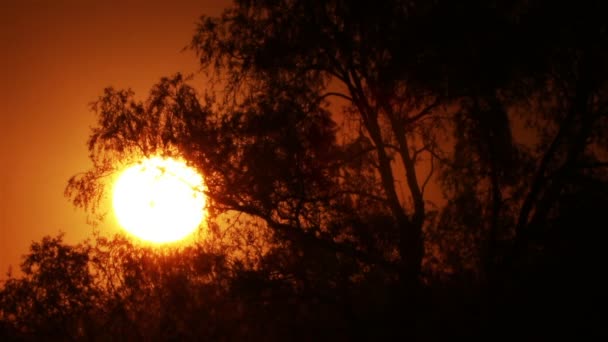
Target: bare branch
point(428, 177)
point(426, 147)
point(337, 94)
point(427, 110)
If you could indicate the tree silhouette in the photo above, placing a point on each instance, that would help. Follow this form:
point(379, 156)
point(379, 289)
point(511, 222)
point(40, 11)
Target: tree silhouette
point(56, 295)
point(323, 131)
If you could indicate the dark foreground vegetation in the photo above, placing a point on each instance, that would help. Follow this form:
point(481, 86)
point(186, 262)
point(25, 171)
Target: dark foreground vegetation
point(415, 170)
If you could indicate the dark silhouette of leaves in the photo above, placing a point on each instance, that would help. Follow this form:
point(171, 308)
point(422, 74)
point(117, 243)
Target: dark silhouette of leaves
point(396, 169)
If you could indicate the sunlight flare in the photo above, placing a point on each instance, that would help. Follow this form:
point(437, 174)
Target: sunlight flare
point(159, 200)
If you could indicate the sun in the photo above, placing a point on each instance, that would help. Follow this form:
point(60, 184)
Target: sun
point(159, 200)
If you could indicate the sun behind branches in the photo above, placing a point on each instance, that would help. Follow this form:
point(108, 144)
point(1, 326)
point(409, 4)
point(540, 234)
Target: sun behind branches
point(159, 200)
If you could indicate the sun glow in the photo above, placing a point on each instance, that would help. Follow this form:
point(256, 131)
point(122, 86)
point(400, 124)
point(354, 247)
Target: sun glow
point(159, 200)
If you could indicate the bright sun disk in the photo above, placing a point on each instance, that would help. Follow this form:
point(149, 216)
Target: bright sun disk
point(159, 200)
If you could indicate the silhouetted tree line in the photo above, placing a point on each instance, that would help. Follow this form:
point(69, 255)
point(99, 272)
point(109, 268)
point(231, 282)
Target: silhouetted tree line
point(419, 170)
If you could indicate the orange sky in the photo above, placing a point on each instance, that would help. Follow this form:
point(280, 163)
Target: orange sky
point(57, 56)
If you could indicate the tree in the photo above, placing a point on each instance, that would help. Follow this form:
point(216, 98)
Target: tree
point(323, 186)
point(56, 296)
point(111, 288)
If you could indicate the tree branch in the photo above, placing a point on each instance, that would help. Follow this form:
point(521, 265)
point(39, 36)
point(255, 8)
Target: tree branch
point(302, 236)
point(423, 112)
point(428, 177)
point(337, 94)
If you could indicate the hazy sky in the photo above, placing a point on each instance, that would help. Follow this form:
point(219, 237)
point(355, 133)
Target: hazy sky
point(57, 56)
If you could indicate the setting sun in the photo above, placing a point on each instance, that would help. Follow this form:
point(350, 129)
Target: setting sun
point(159, 200)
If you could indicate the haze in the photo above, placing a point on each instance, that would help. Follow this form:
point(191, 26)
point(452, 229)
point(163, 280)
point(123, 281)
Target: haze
point(57, 56)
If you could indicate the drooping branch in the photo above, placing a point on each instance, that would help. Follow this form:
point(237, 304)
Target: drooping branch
point(336, 94)
point(308, 237)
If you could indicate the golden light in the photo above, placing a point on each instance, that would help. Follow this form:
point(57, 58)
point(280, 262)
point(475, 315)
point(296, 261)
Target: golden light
point(159, 200)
